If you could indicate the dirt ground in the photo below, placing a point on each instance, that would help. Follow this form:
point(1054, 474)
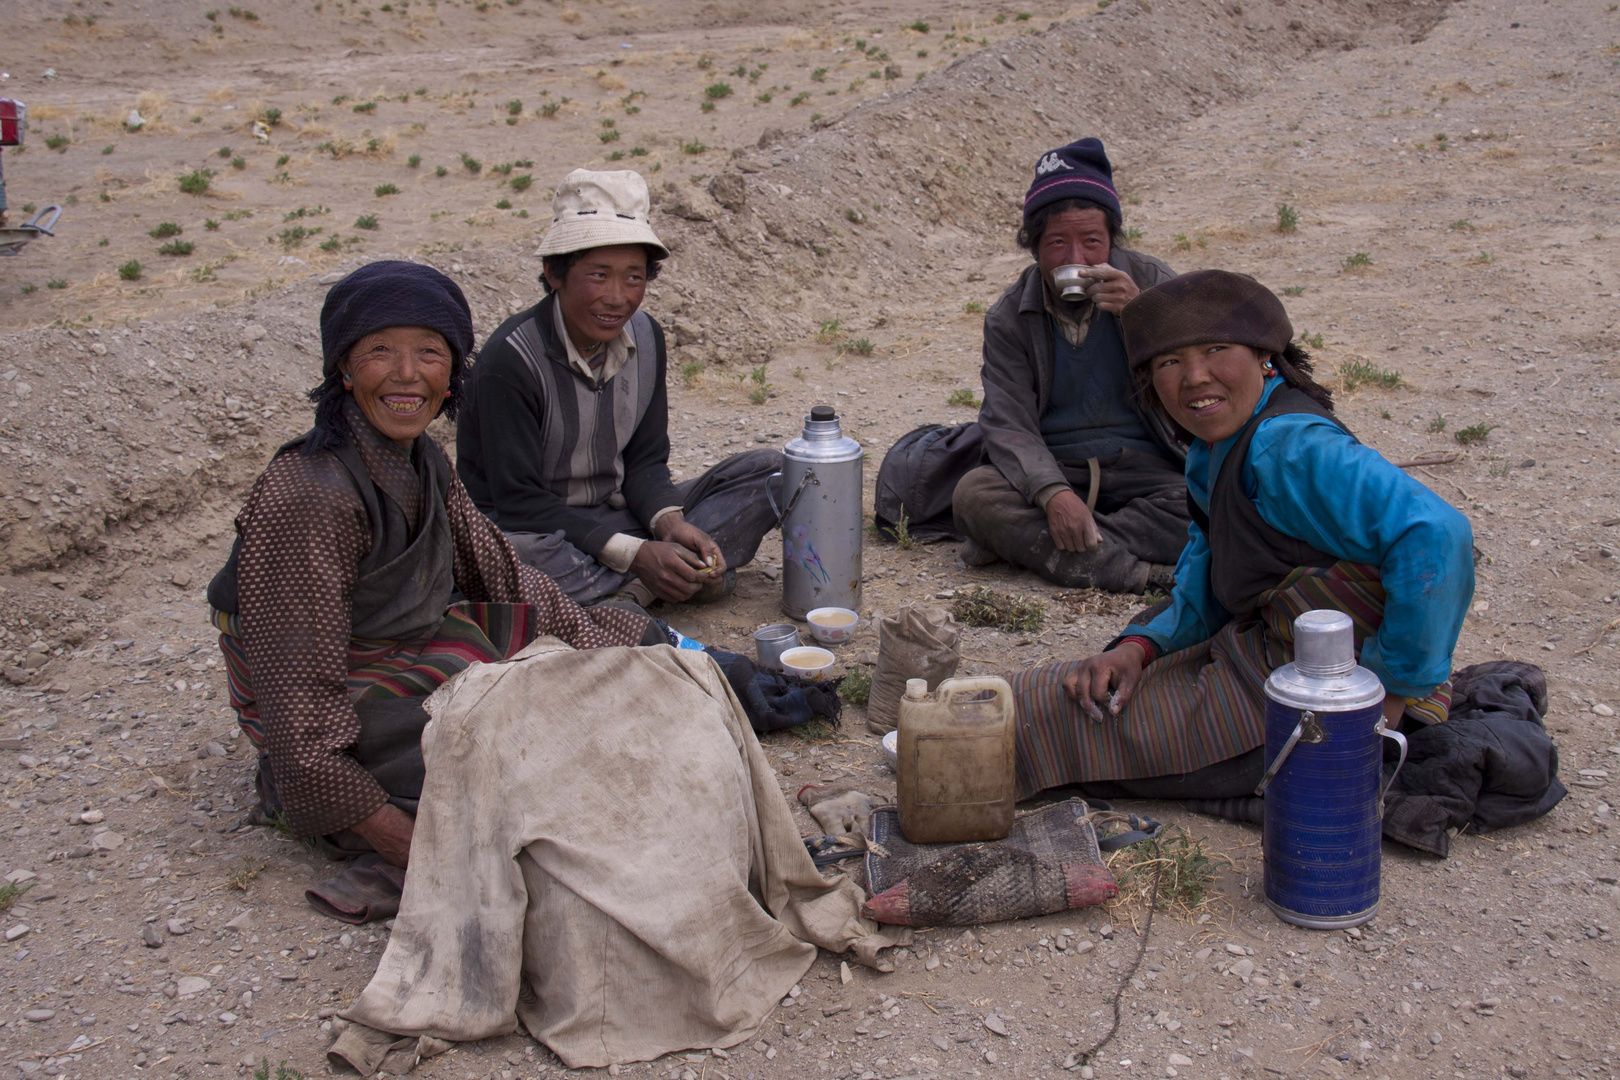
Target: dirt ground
point(1454, 174)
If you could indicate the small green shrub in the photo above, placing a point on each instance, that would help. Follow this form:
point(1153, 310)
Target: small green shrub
point(1359, 261)
point(973, 307)
point(331, 243)
point(1354, 373)
point(238, 162)
point(503, 204)
point(818, 75)
point(716, 91)
point(693, 147)
point(1474, 433)
point(919, 26)
point(608, 135)
point(1438, 424)
point(521, 182)
point(800, 98)
point(862, 346)
point(384, 189)
point(690, 370)
point(366, 106)
point(829, 333)
point(196, 181)
point(514, 107)
point(413, 161)
point(30, 288)
point(176, 247)
point(471, 164)
point(291, 238)
point(1293, 290)
point(61, 283)
point(57, 142)
point(1287, 218)
point(964, 398)
point(857, 685)
point(223, 152)
point(366, 221)
point(130, 271)
point(440, 170)
point(163, 230)
point(1310, 340)
point(282, 160)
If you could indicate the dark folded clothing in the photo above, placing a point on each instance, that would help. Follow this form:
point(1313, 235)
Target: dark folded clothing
point(774, 701)
point(1490, 765)
point(368, 890)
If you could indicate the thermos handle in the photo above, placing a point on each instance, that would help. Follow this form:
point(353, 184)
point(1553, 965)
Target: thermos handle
point(1398, 737)
point(1307, 729)
point(781, 515)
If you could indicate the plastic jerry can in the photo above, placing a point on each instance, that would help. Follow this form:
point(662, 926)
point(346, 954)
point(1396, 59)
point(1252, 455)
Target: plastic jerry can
point(956, 761)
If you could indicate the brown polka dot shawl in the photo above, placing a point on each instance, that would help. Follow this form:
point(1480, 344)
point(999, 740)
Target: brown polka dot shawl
point(295, 669)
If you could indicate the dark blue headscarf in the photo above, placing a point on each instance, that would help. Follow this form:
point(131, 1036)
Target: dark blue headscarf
point(380, 295)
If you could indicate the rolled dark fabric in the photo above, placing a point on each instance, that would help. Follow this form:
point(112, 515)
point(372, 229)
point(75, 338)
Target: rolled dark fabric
point(1202, 307)
point(391, 293)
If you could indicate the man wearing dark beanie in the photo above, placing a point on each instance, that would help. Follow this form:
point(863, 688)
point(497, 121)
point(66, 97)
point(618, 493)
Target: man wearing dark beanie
point(1083, 485)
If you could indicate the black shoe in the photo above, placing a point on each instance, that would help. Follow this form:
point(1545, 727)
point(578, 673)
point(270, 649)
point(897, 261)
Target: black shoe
point(972, 554)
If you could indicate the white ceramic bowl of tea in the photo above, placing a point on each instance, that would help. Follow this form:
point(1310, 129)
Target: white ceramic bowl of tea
point(891, 750)
point(832, 625)
point(807, 661)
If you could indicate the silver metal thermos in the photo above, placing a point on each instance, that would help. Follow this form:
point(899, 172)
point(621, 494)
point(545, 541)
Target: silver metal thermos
point(821, 515)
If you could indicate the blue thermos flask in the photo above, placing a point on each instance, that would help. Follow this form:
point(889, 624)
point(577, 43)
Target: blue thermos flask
point(1323, 784)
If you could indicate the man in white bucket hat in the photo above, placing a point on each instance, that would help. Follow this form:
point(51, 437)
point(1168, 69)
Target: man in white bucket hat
point(563, 438)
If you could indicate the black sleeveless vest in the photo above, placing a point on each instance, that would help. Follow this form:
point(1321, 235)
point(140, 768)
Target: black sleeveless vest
point(1248, 556)
point(405, 581)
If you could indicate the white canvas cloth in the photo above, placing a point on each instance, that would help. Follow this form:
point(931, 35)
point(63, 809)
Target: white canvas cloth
point(602, 851)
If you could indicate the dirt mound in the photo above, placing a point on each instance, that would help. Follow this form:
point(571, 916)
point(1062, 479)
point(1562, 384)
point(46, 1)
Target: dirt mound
point(895, 203)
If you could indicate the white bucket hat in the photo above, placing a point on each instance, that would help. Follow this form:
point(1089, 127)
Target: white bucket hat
point(600, 209)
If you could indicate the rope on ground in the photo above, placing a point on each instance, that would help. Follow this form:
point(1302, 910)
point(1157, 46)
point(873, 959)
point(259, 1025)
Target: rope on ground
point(1085, 1056)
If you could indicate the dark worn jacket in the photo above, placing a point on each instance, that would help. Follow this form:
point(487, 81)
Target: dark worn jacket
point(520, 450)
point(1018, 372)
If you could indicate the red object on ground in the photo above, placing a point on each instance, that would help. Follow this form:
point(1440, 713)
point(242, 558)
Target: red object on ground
point(13, 113)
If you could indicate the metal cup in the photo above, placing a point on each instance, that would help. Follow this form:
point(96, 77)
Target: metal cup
point(770, 642)
point(1072, 281)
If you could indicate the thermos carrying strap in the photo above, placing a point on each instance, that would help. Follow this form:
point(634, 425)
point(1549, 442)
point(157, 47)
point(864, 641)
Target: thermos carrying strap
point(1401, 739)
point(1307, 731)
point(793, 500)
point(1310, 732)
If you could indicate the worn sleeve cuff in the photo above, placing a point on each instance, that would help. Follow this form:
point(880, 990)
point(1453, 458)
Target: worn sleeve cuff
point(652, 525)
point(620, 551)
point(1044, 496)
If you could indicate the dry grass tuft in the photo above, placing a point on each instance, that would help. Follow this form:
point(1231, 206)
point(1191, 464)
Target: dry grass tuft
point(609, 81)
point(570, 15)
point(219, 95)
point(1185, 871)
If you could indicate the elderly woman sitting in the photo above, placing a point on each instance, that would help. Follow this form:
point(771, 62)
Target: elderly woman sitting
point(1290, 513)
point(363, 577)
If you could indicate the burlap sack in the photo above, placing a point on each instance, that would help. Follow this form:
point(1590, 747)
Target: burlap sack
point(913, 643)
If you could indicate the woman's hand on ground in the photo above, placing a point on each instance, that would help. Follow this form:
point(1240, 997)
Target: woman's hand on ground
point(1113, 289)
point(389, 830)
point(677, 530)
point(1109, 677)
point(1072, 525)
point(1394, 709)
point(671, 571)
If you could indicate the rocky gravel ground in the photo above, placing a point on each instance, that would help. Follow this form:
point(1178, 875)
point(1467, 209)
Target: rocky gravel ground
point(148, 933)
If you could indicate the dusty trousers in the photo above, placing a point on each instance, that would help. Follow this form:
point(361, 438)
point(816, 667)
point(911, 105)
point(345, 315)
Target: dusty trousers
point(1141, 513)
